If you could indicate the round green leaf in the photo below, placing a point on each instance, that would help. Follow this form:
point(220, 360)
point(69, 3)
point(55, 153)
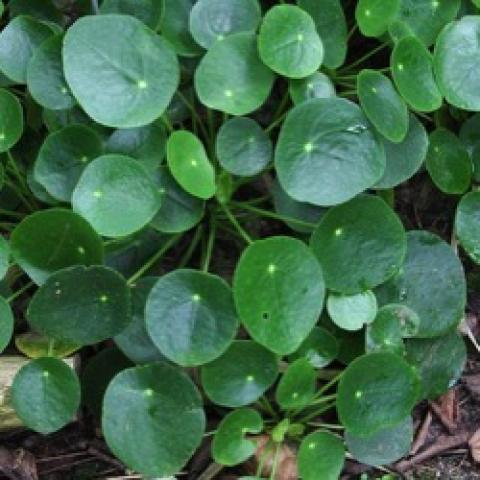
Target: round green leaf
point(242, 147)
point(34, 345)
point(191, 316)
point(81, 305)
point(175, 27)
point(4, 256)
point(50, 240)
point(63, 157)
point(179, 210)
point(147, 11)
point(425, 18)
point(299, 216)
point(375, 16)
point(327, 142)
point(6, 324)
point(352, 312)
point(376, 391)
point(404, 159)
point(360, 244)
point(448, 162)
point(102, 51)
point(296, 388)
point(317, 85)
point(321, 455)
point(331, 24)
point(456, 55)
point(231, 77)
point(147, 144)
point(470, 132)
point(116, 195)
point(45, 79)
point(158, 408)
point(229, 444)
point(11, 120)
point(385, 333)
point(189, 164)
point(412, 70)
point(270, 270)
point(431, 283)
point(383, 447)
point(134, 341)
point(439, 361)
point(288, 42)
point(320, 348)
point(18, 41)
point(467, 224)
point(45, 394)
point(241, 375)
point(212, 20)
point(383, 106)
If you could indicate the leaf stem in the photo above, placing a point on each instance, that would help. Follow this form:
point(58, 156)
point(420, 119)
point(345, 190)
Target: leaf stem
point(236, 224)
point(191, 248)
point(19, 292)
point(315, 413)
point(154, 259)
point(194, 115)
point(365, 57)
point(210, 244)
point(275, 462)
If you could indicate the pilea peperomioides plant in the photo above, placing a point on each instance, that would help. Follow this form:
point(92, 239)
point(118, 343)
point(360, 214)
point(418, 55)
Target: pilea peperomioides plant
point(205, 190)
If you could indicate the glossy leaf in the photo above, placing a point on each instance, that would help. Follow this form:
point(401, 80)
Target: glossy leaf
point(375, 16)
point(147, 11)
point(6, 324)
point(317, 85)
point(320, 348)
point(11, 121)
point(467, 224)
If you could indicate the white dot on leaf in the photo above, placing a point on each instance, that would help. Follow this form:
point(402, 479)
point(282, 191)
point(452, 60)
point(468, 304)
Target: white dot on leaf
point(193, 163)
point(367, 13)
point(2, 136)
point(81, 250)
point(300, 37)
point(374, 90)
point(308, 147)
point(148, 392)
point(45, 374)
point(84, 159)
point(338, 232)
point(312, 445)
point(220, 37)
point(435, 4)
point(104, 299)
point(294, 395)
point(228, 93)
point(64, 90)
point(272, 268)
point(97, 193)
point(142, 84)
point(250, 378)
point(196, 297)
point(358, 394)
point(58, 292)
point(400, 66)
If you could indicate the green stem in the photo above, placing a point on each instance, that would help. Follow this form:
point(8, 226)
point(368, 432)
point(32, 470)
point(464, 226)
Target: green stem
point(167, 123)
point(273, 215)
point(352, 32)
point(191, 248)
point(275, 462)
point(194, 114)
point(331, 426)
point(368, 55)
point(19, 292)
point(263, 459)
point(51, 346)
point(9, 213)
point(268, 406)
point(316, 413)
point(210, 245)
point(329, 385)
point(276, 122)
point(325, 399)
point(154, 259)
point(237, 225)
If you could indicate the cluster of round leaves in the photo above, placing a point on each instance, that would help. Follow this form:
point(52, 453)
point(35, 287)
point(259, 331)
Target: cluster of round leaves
point(117, 92)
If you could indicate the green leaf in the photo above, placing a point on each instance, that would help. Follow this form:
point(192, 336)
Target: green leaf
point(98, 53)
point(375, 16)
point(296, 388)
point(320, 348)
point(317, 85)
point(63, 157)
point(382, 105)
point(50, 240)
point(242, 147)
point(43, 10)
point(45, 394)
point(352, 312)
point(45, 79)
point(4, 256)
point(456, 54)
point(158, 408)
point(241, 375)
point(229, 444)
point(11, 121)
point(360, 244)
point(412, 70)
point(467, 224)
point(116, 195)
point(6, 324)
point(189, 164)
point(242, 83)
point(331, 24)
point(147, 11)
point(469, 132)
point(81, 305)
point(376, 391)
point(288, 42)
point(383, 447)
point(212, 20)
point(18, 41)
point(134, 341)
point(425, 18)
point(279, 290)
point(321, 455)
point(404, 159)
point(175, 27)
point(448, 162)
point(431, 283)
point(316, 146)
point(305, 214)
point(179, 210)
point(34, 345)
point(190, 316)
point(147, 144)
point(439, 361)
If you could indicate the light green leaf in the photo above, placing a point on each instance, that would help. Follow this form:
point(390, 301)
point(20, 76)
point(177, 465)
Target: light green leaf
point(375, 16)
point(317, 85)
point(467, 224)
point(352, 312)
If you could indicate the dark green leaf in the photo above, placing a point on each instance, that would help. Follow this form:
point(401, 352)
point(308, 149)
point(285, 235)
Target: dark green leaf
point(6, 324)
point(147, 11)
point(467, 224)
point(320, 348)
point(11, 120)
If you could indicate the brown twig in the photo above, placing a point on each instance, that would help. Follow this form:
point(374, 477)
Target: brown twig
point(421, 434)
point(447, 423)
